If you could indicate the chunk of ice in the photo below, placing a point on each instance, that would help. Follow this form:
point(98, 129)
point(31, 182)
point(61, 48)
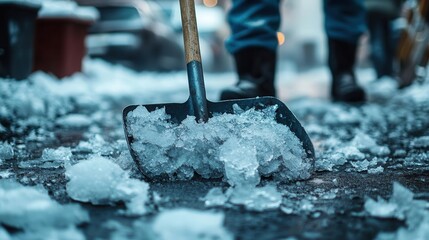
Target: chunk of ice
point(100, 181)
point(360, 166)
point(241, 165)
point(401, 205)
point(4, 235)
point(215, 198)
point(61, 154)
point(74, 121)
point(6, 174)
point(329, 161)
point(400, 153)
point(252, 198)
point(96, 144)
point(381, 208)
point(352, 153)
point(363, 142)
point(188, 224)
point(2, 128)
point(306, 205)
point(398, 205)
point(376, 170)
point(6, 151)
point(421, 142)
point(380, 151)
point(331, 194)
point(256, 199)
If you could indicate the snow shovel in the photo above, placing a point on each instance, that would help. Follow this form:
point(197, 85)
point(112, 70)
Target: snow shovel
point(197, 104)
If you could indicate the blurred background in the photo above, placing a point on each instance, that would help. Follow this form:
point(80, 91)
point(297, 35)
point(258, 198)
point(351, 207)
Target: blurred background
point(145, 36)
point(153, 28)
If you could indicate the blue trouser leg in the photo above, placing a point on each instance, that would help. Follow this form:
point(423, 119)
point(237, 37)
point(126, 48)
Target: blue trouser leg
point(381, 40)
point(344, 19)
point(254, 23)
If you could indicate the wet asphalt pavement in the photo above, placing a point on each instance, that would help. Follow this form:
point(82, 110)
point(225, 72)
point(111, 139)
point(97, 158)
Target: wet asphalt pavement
point(313, 212)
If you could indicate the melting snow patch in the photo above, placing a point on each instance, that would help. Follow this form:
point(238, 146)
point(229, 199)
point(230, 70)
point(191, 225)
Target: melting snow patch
point(6, 174)
point(256, 199)
point(100, 181)
point(31, 209)
point(360, 166)
point(352, 153)
point(60, 154)
point(3, 234)
point(365, 143)
point(376, 170)
point(96, 144)
point(421, 142)
point(69, 233)
point(51, 158)
point(74, 121)
point(242, 147)
point(2, 128)
point(252, 198)
point(215, 198)
point(188, 224)
point(328, 162)
point(6, 151)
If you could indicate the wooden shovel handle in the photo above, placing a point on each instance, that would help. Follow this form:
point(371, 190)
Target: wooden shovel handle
point(190, 31)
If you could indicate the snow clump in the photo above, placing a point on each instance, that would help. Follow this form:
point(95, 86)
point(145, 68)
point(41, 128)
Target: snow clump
point(188, 224)
point(101, 181)
point(59, 154)
point(6, 151)
point(252, 198)
point(402, 206)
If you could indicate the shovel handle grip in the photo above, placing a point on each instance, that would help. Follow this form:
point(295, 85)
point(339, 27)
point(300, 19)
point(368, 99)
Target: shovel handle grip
point(190, 31)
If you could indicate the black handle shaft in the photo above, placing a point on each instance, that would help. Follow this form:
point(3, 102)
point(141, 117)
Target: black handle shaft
point(197, 89)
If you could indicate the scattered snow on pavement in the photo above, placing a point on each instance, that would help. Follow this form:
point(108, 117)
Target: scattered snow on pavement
point(403, 206)
point(59, 154)
point(188, 224)
point(346, 137)
point(6, 151)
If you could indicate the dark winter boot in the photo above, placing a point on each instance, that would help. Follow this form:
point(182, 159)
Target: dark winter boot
point(256, 69)
point(341, 61)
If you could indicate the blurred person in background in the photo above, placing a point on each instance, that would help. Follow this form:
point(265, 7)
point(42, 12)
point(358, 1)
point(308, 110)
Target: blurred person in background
point(253, 44)
point(380, 16)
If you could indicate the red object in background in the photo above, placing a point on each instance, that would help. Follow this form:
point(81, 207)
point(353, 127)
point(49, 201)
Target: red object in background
point(60, 45)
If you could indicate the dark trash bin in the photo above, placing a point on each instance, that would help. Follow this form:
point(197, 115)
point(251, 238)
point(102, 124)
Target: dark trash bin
point(17, 23)
point(60, 45)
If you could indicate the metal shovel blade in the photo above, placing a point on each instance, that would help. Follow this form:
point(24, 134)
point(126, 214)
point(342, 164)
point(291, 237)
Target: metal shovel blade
point(179, 112)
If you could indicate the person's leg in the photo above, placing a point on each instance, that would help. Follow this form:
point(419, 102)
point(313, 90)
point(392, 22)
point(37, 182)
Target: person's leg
point(344, 24)
point(253, 43)
point(380, 43)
